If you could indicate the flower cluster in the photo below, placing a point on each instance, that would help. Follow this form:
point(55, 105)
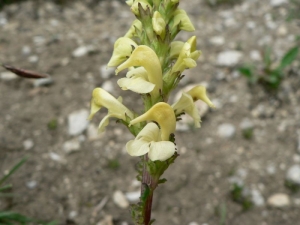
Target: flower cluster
point(154, 63)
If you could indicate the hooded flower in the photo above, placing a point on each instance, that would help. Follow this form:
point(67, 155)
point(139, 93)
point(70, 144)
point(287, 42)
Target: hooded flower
point(136, 25)
point(187, 56)
point(163, 114)
point(186, 103)
point(149, 141)
point(122, 50)
point(136, 80)
point(182, 19)
point(144, 56)
point(102, 98)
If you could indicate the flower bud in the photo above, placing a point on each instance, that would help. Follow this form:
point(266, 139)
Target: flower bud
point(159, 24)
point(181, 18)
point(122, 50)
point(136, 25)
point(135, 6)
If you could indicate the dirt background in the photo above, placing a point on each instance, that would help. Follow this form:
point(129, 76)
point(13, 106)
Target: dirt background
point(68, 187)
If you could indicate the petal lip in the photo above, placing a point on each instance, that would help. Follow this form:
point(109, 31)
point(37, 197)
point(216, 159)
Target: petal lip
point(161, 151)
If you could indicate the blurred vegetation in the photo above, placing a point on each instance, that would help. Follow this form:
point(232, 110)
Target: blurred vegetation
point(271, 74)
point(294, 10)
point(9, 217)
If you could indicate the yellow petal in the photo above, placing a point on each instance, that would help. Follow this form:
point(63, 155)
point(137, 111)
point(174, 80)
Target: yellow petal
point(180, 17)
point(137, 147)
point(161, 150)
point(176, 47)
point(123, 48)
point(135, 6)
point(136, 84)
point(136, 25)
point(144, 56)
point(199, 92)
point(163, 114)
point(158, 23)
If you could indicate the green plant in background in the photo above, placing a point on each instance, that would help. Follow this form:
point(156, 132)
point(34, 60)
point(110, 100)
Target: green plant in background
point(155, 63)
point(294, 9)
point(239, 196)
point(270, 75)
point(13, 218)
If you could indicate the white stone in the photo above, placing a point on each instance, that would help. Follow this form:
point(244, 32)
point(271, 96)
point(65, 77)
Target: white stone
point(246, 124)
point(298, 142)
point(106, 72)
point(226, 130)
point(56, 157)
point(108, 86)
point(78, 122)
point(39, 40)
point(193, 223)
point(28, 144)
point(133, 196)
point(217, 40)
point(82, 51)
point(26, 50)
point(279, 200)
point(108, 220)
point(73, 214)
point(229, 58)
point(293, 174)
point(120, 199)
point(276, 3)
point(255, 55)
point(282, 31)
point(43, 82)
point(8, 76)
point(71, 146)
point(271, 169)
point(33, 59)
point(31, 184)
point(92, 133)
point(257, 198)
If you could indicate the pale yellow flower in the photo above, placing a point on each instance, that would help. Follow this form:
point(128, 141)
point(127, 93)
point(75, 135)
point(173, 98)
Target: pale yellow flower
point(159, 24)
point(149, 141)
point(136, 80)
point(144, 56)
point(163, 114)
point(182, 19)
point(186, 103)
point(187, 56)
point(123, 48)
point(102, 98)
point(135, 6)
point(132, 32)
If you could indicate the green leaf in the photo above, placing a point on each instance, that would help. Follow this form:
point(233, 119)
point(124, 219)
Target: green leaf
point(13, 170)
point(288, 58)
point(246, 71)
point(6, 187)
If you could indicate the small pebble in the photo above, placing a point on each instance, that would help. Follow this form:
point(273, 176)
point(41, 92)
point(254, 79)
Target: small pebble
point(77, 122)
point(8, 76)
point(293, 175)
point(279, 200)
point(120, 199)
point(43, 82)
point(28, 144)
point(71, 146)
point(226, 130)
point(31, 184)
point(33, 59)
point(229, 58)
point(106, 72)
point(133, 196)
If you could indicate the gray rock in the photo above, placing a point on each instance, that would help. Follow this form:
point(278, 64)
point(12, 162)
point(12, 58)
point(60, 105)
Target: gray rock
point(256, 198)
point(39, 40)
point(276, 3)
point(271, 169)
point(73, 214)
point(8, 76)
point(28, 144)
point(71, 146)
point(83, 50)
point(293, 175)
point(298, 142)
point(229, 58)
point(106, 72)
point(78, 122)
point(56, 157)
point(193, 223)
point(108, 220)
point(279, 200)
point(226, 130)
point(43, 82)
point(31, 184)
point(246, 124)
point(120, 199)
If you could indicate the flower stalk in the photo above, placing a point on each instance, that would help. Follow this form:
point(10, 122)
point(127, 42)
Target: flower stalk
point(155, 62)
